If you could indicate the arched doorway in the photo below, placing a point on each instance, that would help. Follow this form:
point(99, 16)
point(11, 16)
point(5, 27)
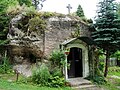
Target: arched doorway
point(75, 60)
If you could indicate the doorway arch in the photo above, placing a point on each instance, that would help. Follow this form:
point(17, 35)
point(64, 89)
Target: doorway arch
point(76, 43)
point(74, 59)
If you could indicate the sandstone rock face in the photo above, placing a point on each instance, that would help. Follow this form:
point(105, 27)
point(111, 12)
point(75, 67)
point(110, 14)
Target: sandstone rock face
point(25, 44)
point(60, 29)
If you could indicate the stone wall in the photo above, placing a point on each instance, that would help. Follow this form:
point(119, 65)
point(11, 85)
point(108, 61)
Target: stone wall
point(60, 29)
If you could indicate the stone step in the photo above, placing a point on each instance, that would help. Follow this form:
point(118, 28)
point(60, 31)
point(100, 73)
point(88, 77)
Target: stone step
point(84, 87)
point(74, 82)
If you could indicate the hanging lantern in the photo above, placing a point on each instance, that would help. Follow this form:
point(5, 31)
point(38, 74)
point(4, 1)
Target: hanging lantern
point(67, 51)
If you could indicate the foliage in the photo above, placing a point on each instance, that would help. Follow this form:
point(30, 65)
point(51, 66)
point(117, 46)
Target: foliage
point(38, 2)
point(76, 33)
point(3, 42)
point(113, 79)
point(53, 77)
point(57, 57)
point(107, 32)
point(5, 67)
point(116, 54)
point(26, 2)
point(37, 23)
point(101, 66)
point(4, 18)
point(97, 79)
point(7, 7)
point(56, 71)
point(56, 81)
point(114, 69)
point(29, 11)
point(79, 11)
point(14, 10)
point(41, 75)
point(47, 14)
point(118, 9)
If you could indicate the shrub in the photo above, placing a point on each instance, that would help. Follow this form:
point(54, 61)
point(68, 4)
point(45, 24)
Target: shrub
point(57, 57)
point(97, 79)
point(56, 81)
point(41, 75)
point(56, 71)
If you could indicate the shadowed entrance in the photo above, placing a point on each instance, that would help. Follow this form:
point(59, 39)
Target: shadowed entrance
point(75, 60)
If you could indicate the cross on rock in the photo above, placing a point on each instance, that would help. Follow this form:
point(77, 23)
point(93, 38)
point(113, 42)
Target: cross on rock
point(69, 8)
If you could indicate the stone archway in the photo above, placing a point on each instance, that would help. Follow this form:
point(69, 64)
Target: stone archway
point(84, 50)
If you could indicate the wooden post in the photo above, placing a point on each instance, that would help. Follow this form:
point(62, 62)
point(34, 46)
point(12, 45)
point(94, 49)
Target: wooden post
point(17, 74)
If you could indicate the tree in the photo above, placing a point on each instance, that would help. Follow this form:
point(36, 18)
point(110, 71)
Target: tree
point(107, 34)
point(26, 2)
point(4, 18)
point(118, 9)
point(36, 3)
point(79, 11)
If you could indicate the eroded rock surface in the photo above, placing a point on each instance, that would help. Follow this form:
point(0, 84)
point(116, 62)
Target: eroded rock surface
point(29, 44)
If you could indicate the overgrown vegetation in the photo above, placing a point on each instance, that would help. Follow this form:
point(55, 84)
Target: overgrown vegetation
point(53, 76)
point(5, 66)
point(57, 58)
point(41, 75)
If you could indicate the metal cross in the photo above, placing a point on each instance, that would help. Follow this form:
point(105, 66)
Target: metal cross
point(69, 7)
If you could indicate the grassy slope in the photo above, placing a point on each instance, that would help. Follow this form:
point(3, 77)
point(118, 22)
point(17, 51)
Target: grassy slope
point(5, 85)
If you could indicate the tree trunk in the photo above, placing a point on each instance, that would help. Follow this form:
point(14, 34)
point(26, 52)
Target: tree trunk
point(106, 64)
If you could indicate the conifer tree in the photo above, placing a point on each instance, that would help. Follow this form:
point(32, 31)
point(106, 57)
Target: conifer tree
point(107, 34)
point(79, 11)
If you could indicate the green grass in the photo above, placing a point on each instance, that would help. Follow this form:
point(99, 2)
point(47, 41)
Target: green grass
point(5, 85)
point(112, 83)
point(114, 73)
point(8, 82)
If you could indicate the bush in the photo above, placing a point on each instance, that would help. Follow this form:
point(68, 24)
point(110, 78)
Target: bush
point(56, 81)
point(57, 57)
point(56, 71)
point(41, 75)
point(97, 79)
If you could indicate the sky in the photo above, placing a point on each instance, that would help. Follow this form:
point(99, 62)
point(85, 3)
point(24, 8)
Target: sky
point(59, 6)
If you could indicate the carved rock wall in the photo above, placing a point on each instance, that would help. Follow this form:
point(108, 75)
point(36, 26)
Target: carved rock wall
point(58, 29)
